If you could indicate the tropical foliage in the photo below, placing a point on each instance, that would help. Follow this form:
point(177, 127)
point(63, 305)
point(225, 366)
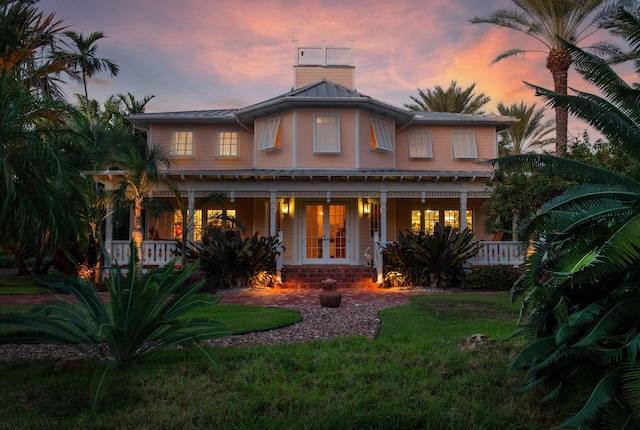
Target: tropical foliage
point(29, 43)
point(581, 280)
point(229, 261)
point(453, 100)
point(82, 62)
point(550, 22)
point(144, 314)
point(531, 132)
point(436, 260)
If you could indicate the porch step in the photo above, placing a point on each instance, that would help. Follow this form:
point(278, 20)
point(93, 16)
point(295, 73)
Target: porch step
point(308, 276)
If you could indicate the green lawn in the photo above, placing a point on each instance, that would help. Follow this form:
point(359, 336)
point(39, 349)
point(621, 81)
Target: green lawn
point(413, 375)
point(13, 284)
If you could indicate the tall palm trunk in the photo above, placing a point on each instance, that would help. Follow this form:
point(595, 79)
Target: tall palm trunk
point(558, 63)
point(137, 233)
point(86, 94)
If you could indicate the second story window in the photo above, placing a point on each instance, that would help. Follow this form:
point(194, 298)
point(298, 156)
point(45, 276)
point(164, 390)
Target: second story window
point(420, 144)
point(464, 144)
point(270, 138)
point(227, 143)
point(379, 136)
point(326, 133)
point(182, 142)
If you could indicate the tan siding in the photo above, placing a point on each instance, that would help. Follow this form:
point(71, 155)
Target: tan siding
point(277, 158)
point(442, 150)
point(344, 76)
point(205, 147)
point(346, 159)
point(288, 238)
point(371, 159)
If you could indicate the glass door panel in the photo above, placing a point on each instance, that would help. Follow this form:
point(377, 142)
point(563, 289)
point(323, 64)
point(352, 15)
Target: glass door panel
point(314, 229)
point(325, 233)
point(337, 231)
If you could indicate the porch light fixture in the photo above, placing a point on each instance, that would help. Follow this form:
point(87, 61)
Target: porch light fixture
point(366, 207)
point(284, 208)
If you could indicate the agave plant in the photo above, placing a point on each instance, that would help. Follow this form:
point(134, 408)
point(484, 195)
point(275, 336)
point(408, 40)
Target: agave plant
point(144, 314)
point(581, 282)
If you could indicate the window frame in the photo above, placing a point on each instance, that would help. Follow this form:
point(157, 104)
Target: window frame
point(233, 145)
point(425, 144)
point(457, 144)
point(421, 222)
point(271, 135)
point(381, 138)
point(175, 146)
point(333, 146)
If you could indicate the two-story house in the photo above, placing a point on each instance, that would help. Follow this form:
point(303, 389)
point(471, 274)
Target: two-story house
point(331, 170)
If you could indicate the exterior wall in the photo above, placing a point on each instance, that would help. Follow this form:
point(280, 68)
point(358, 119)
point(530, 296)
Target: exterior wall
point(305, 75)
point(305, 157)
point(375, 159)
point(443, 151)
point(281, 158)
point(205, 141)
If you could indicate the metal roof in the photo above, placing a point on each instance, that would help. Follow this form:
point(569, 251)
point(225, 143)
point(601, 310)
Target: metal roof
point(322, 94)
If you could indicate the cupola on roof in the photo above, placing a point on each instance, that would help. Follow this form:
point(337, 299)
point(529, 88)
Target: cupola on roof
point(312, 64)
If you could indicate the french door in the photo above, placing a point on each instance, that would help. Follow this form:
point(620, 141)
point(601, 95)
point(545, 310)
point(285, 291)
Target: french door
point(325, 233)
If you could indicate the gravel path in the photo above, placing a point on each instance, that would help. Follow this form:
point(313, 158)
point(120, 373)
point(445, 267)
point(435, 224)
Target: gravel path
point(317, 323)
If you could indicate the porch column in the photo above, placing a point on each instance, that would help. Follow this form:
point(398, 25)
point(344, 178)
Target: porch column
point(383, 217)
point(463, 210)
point(272, 213)
point(383, 236)
point(191, 203)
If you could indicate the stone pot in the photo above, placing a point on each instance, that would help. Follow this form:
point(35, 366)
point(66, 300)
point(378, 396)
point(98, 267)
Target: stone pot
point(330, 297)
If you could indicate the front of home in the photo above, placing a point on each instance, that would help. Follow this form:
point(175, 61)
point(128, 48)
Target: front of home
point(330, 170)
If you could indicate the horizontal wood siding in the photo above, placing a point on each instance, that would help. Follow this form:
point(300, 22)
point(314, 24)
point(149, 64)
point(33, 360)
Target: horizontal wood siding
point(375, 159)
point(307, 159)
point(443, 152)
point(205, 147)
point(344, 76)
point(281, 158)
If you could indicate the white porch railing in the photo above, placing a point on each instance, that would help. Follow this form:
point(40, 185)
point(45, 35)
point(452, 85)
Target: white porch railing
point(159, 252)
point(504, 252)
point(154, 252)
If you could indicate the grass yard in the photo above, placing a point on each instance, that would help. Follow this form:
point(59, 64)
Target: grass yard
point(413, 375)
point(13, 284)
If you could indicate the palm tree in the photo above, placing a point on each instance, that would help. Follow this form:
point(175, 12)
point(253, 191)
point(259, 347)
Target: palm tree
point(41, 192)
point(140, 173)
point(454, 99)
point(581, 281)
point(83, 62)
point(551, 22)
point(529, 133)
point(187, 217)
point(28, 47)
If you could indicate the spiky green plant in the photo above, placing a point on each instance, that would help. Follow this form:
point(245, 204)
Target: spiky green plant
point(581, 281)
point(230, 261)
point(436, 259)
point(144, 314)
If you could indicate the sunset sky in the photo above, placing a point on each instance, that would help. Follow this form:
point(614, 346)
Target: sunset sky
point(216, 54)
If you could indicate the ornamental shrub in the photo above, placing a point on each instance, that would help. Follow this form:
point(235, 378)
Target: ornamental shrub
point(229, 261)
point(435, 260)
point(491, 278)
